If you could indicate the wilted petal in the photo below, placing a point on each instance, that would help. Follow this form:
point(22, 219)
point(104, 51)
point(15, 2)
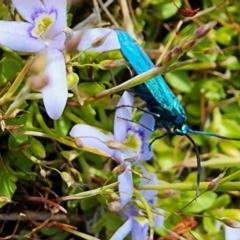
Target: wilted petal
point(120, 125)
point(55, 92)
point(15, 35)
point(92, 137)
point(125, 186)
point(123, 231)
point(140, 228)
point(61, 9)
point(91, 35)
point(27, 8)
point(232, 233)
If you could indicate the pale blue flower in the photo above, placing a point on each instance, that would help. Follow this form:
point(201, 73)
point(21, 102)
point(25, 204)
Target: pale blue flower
point(232, 233)
point(151, 196)
point(89, 36)
point(132, 138)
point(136, 222)
point(42, 33)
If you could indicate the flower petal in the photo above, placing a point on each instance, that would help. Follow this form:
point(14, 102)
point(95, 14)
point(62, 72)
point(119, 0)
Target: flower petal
point(15, 35)
point(125, 186)
point(158, 219)
point(55, 92)
point(149, 178)
point(140, 229)
point(61, 9)
point(92, 137)
point(58, 41)
point(123, 231)
point(148, 121)
point(121, 126)
point(232, 233)
point(90, 35)
point(27, 8)
point(146, 153)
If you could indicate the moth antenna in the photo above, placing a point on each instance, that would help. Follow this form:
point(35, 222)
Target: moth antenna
point(199, 168)
point(156, 138)
point(212, 135)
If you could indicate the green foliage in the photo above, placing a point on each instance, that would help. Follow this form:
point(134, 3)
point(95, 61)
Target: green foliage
point(40, 164)
point(7, 185)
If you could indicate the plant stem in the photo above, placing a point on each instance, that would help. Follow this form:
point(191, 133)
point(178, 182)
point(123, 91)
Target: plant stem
point(138, 80)
point(191, 186)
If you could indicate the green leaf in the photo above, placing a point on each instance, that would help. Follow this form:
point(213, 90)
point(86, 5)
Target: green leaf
point(16, 140)
point(62, 126)
point(203, 203)
point(193, 109)
point(228, 148)
point(37, 149)
point(49, 231)
point(200, 51)
point(165, 10)
point(179, 80)
point(231, 213)
point(225, 35)
point(22, 164)
point(222, 201)
point(209, 223)
point(230, 62)
point(10, 68)
point(88, 203)
point(7, 184)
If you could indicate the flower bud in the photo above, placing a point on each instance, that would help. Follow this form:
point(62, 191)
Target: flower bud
point(187, 46)
point(78, 143)
point(177, 51)
point(119, 170)
point(100, 40)
point(114, 206)
point(114, 196)
point(70, 155)
point(230, 222)
point(67, 179)
point(175, 54)
point(109, 64)
point(72, 42)
point(72, 80)
point(37, 149)
point(39, 63)
point(167, 59)
point(215, 182)
point(43, 173)
point(203, 30)
point(37, 82)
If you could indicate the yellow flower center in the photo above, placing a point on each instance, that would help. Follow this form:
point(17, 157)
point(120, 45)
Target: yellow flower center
point(42, 24)
point(133, 141)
